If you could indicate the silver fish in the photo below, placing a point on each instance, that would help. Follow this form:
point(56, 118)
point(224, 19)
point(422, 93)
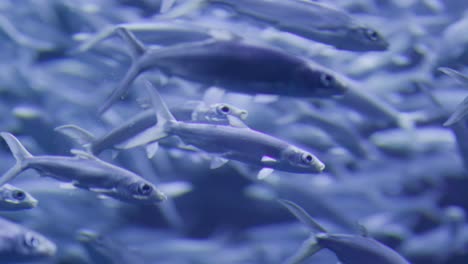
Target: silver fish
point(213, 114)
point(232, 65)
point(18, 243)
point(84, 171)
point(349, 249)
point(308, 19)
point(236, 142)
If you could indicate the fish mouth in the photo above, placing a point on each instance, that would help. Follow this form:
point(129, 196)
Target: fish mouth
point(49, 250)
point(33, 203)
point(319, 166)
point(243, 115)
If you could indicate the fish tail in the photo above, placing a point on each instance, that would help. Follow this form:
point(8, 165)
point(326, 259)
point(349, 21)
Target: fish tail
point(158, 131)
point(91, 41)
point(79, 135)
point(307, 249)
point(19, 153)
point(136, 51)
point(137, 48)
point(120, 91)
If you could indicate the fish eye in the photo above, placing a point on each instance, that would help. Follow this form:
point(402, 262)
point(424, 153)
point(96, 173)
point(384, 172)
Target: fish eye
point(19, 195)
point(31, 241)
point(145, 189)
point(372, 35)
point(224, 109)
point(307, 158)
point(326, 79)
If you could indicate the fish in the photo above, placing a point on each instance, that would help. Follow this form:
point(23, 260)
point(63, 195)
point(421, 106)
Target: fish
point(13, 198)
point(233, 65)
point(237, 142)
point(309, 19)
point(349, 249)
point(83, 171)
point(19, 243)
point(198, 113)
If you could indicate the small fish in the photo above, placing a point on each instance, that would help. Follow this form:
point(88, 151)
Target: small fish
point(312, 20)
point(84, 171)
point(234, 66)
point(13, 199)
point(19, 243)
point(237, 142)
point(213, 114)
point(349, 249)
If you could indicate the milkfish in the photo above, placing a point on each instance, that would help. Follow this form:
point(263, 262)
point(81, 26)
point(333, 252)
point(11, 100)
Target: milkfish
point(349, 249)
point(309, 19)
point(200, 113)
point(231, 65)
point(19, 243)
point(83, 171)
point(236, 142)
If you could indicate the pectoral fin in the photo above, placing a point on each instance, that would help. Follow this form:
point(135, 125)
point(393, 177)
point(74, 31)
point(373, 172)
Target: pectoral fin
point(217, 162)
point(265, 172)
point(151, 149)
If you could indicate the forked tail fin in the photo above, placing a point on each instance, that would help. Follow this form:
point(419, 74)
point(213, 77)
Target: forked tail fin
point(137, 49)
point(19, 153)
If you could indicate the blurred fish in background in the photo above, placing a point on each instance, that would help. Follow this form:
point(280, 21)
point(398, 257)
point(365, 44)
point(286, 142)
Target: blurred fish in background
point(234, 131)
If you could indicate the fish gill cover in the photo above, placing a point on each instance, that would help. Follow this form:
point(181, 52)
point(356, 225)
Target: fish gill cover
point(233, 131)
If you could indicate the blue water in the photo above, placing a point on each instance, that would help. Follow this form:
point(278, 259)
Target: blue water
point(361, 86)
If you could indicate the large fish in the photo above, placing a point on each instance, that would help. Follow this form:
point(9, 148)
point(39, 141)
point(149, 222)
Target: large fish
point(236, 142)
point(308, 19)
point(232, 65)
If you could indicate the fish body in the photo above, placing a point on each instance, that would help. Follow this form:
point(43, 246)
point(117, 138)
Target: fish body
point(213, 114)
point(229, 142)
point(312, 20)
point(234, 66)
point(84, 171)
point(18, 243)
point(349, 249)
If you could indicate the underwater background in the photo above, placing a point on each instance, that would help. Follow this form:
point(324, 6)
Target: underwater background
point(233, 131)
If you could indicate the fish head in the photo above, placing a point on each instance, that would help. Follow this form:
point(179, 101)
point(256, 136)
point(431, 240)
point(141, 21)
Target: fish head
point(222, 110)
point(302, 159)
point(314, 80)
point(34, 245)
point(141, 192)
point(363, 38)
point(17, 199)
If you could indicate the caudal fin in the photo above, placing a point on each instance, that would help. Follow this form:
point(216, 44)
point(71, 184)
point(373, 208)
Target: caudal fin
point(136, 50)
point(158, 131)
point(19, 153)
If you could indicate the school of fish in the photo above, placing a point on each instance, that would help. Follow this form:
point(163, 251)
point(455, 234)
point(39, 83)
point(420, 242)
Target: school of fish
point(234, 131)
